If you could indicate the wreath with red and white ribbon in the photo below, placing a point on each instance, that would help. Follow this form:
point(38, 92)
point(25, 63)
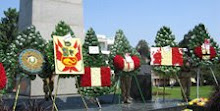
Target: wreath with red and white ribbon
point(127, 64)
point(205, 51)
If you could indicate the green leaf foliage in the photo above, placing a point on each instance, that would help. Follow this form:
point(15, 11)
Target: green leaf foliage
point(62, 29)
point(8, 32)
point(92, 60)
point(8, 28)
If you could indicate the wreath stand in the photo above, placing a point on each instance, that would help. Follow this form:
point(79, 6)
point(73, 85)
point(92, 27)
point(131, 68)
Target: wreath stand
point(56, 91)
point(181, 86)
point(164, 88)
point(118, 83)
point(182, 90)
point(95, 100)
point(198, 79)
point(17, 93)
point(156, 98)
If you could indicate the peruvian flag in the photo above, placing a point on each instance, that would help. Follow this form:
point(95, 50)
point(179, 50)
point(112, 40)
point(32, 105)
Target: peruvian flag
point(3, 78)
point(168, 56)
point(96, 76)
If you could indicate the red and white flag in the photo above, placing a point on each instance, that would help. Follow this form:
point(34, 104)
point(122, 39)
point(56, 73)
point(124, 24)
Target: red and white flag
point(168, 56)
point(96, 76)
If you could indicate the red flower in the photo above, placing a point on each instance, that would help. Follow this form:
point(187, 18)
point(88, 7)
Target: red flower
point(86, 79)
point(136, 62)
point(198, 52)
point(212, 52)
point(158, 57)
point(3, 78)
point(177, 57)
point(118, 62)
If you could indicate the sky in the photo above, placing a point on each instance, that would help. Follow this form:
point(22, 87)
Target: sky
point(141, 19)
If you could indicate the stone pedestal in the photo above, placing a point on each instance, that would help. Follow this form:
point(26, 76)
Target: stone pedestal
point(45, 14)
point(35, 87)
point(144, 80)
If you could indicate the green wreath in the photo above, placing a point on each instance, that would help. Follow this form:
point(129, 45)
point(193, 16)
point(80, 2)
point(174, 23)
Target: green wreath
point(196, 38)
point(164, 38)
point(94, 60)
point(29, 38)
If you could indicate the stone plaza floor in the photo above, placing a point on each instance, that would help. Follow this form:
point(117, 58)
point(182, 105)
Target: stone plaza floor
point(74, 103)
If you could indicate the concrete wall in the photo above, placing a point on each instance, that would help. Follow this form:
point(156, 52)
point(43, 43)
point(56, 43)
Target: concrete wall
point(45, 14)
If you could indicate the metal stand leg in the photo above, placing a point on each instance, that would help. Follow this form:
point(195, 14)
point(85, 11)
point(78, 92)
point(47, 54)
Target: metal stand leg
point(164, 89)
point(54, 104)
point(157, 95)
point(83, 99)
point(119, 86)
point(198, 78)
point(17, 94)
point(213, 74)
point(54, 100)
point(181, 86)
point(139, 88)
point(117, 82)
point(99, 105)
point(1, 95)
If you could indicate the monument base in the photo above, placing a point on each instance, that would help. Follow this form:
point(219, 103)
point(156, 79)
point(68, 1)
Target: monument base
point(35, 87)
point(144, 80)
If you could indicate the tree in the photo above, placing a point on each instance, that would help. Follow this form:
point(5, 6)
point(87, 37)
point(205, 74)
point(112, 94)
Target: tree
point(144, 50)
point(121, 47)
point(164, 38)
point(185, 42)
point(8, 28)
point(93, 60)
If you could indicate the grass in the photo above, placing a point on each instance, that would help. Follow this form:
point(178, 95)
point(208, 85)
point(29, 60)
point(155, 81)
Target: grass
point(175, 92)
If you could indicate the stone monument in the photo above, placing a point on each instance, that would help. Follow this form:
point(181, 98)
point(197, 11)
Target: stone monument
point(144, 80)
point(45, 14)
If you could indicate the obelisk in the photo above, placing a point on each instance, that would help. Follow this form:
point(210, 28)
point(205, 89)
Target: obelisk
point(45, 14)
